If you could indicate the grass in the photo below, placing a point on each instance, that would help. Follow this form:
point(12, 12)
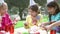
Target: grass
point(45, 19)
point(19, 24)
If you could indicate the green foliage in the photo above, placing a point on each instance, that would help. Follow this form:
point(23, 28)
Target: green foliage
point(19, 24)
point(41, 2)
point(21, 4)
point(18, 3)
point(14, 10)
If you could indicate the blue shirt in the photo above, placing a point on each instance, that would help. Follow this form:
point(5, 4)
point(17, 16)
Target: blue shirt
point(55, 18)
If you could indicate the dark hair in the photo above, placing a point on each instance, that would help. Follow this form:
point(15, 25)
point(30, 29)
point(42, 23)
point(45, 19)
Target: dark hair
point(54, 5)
point(34, 8)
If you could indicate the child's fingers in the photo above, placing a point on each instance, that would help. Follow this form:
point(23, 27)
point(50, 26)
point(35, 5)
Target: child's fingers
point(43, 27)
point(43, 24)
point(26, 24)
point(15, 23)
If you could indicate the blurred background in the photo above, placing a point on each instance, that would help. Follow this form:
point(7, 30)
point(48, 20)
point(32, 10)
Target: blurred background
point(19, 8)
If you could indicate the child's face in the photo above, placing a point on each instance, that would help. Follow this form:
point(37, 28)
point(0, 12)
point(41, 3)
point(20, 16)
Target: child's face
point(51, 10)
point(33, 13)
point(3, 8)
point(3, 11)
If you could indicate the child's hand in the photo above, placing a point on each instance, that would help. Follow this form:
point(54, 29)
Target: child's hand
point(14, 23)
point(45, 27)
point(42, 25)
point(26, 24)
point(48, 27)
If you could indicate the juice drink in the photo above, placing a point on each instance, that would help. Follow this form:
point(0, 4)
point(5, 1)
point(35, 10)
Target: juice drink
point(52, 32)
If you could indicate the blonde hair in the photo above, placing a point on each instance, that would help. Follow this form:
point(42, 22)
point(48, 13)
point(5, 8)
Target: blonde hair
point(4, 6)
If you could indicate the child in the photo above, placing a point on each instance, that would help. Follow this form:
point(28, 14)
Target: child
point(33, 18)
point(54, 18)
point(6, 21)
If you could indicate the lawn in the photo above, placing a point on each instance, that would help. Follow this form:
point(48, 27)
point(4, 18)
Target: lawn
point(19, 24)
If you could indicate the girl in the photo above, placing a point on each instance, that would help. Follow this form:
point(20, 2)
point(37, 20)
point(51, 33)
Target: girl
point(33, 18)
point(6, 21)
point(54, 18)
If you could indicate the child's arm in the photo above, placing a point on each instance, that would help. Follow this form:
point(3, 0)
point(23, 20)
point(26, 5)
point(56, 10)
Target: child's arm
point(26, 24)
point(47, 23)
point(43, 25)
point(55, 24)
point(52, 25)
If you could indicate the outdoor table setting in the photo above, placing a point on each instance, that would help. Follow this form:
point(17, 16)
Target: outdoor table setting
point(32, 30)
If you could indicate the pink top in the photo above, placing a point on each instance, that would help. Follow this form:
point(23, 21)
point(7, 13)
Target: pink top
point(6, 20)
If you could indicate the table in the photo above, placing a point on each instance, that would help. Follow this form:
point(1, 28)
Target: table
point(22, 29)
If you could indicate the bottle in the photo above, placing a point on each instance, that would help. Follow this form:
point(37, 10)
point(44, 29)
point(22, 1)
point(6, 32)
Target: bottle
point(52, 32)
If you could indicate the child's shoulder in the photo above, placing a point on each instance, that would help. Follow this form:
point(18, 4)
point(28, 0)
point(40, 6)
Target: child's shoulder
point(7, 15)
point(28, 16)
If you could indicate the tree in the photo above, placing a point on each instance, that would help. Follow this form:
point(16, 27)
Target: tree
point(58, 1)
point(41, 2)
point(21, 4)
